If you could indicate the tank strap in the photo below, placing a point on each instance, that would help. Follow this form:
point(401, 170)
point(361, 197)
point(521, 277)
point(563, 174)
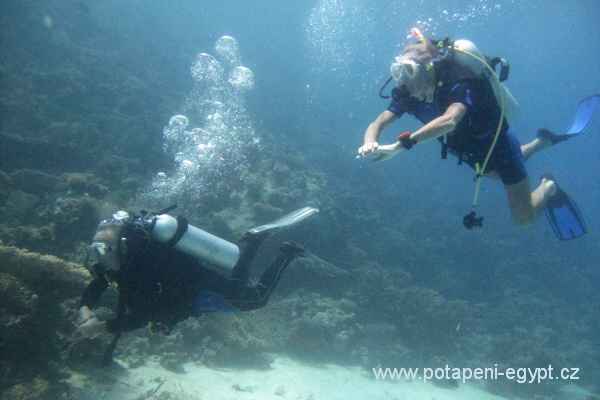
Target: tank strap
point(504, 67)
point(182, 226)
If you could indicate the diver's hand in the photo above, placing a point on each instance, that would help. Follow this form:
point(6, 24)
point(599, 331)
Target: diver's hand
point(92, 328)
point(367, 149)
point(386, 152)
point(84, 315)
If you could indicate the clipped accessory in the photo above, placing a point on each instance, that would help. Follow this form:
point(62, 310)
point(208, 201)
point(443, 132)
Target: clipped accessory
point(471, 221)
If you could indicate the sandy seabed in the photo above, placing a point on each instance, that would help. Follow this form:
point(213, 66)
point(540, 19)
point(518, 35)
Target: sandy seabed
point(287, 379)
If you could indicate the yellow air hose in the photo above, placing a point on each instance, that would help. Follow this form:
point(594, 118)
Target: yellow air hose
point(480, 170)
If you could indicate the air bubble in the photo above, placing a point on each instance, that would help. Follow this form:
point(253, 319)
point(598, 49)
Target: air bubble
point(179, 120)
point(205, 67)
point(227, 47)
point(226, 43)
point(242, 78)
point(210, 148)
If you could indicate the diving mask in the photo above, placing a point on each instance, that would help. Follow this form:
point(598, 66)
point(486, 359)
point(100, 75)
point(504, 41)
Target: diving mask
point(405, 70)
point(101, 258)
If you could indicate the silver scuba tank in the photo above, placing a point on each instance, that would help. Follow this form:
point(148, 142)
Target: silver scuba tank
point(511, 107)
point(220, 255)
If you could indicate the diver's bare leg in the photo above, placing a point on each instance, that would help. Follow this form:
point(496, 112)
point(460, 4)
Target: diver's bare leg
point(525, 205)
point(534, 146)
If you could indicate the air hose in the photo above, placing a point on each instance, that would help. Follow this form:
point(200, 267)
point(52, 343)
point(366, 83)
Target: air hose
point(470, 220)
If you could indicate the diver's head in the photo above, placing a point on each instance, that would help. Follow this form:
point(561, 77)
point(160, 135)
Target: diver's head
point(108, 246)
point(413, 68)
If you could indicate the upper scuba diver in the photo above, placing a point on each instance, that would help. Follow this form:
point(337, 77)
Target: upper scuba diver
point(453, 90)
point(166, 270)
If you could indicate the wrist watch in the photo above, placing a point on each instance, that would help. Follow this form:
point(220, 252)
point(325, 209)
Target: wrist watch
point(406, 141)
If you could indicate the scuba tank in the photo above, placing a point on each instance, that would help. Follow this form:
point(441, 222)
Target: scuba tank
point(220, 255)
point(463, 52)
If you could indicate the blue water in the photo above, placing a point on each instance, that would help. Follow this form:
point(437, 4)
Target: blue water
point(318, 67)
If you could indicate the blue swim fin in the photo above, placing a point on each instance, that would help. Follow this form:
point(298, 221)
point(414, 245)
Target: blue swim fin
point(564, 215)
point(583, 117)
point(210, 301)
point(581, 121)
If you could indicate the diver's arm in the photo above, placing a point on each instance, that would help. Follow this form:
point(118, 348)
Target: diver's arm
point(92, 293)
point(374, 130)
point(438, 127)
point(87, 322)
point(94, 327)
point(441, 125)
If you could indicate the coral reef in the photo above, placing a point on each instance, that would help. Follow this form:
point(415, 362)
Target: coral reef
point(35, 390)
point(36, 325)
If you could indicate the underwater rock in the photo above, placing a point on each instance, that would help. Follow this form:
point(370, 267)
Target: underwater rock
point(31, 289)
point(133, 350)
point(115, 168)
point(18, 152)
point(36, 239)
point(36, 389)
point(84, 355)
point(75, 217)
point(246, 388)
point(16, 298)
point(170, 361)
point(18, 206)
point(266, 212)
point(35, 182)
point(81, 184)
point(321, 326)
point(280, 391)
point(255, 191)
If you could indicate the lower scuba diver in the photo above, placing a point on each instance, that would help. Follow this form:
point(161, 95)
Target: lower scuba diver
point(166, 270)
point(454, 91)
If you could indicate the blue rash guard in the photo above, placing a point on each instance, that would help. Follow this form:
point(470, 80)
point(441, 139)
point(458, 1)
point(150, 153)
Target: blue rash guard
point(473, 136)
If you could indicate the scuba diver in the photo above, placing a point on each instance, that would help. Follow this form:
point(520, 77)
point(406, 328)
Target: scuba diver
point(454, 91)
point(166, 270)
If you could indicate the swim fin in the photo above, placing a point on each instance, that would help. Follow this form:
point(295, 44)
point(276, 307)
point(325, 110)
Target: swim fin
point(583, 117)
point(210, 301)
point(323, 266)
point(287, 221)
point(294, 249)
point(564, 215)
point(581, 121)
